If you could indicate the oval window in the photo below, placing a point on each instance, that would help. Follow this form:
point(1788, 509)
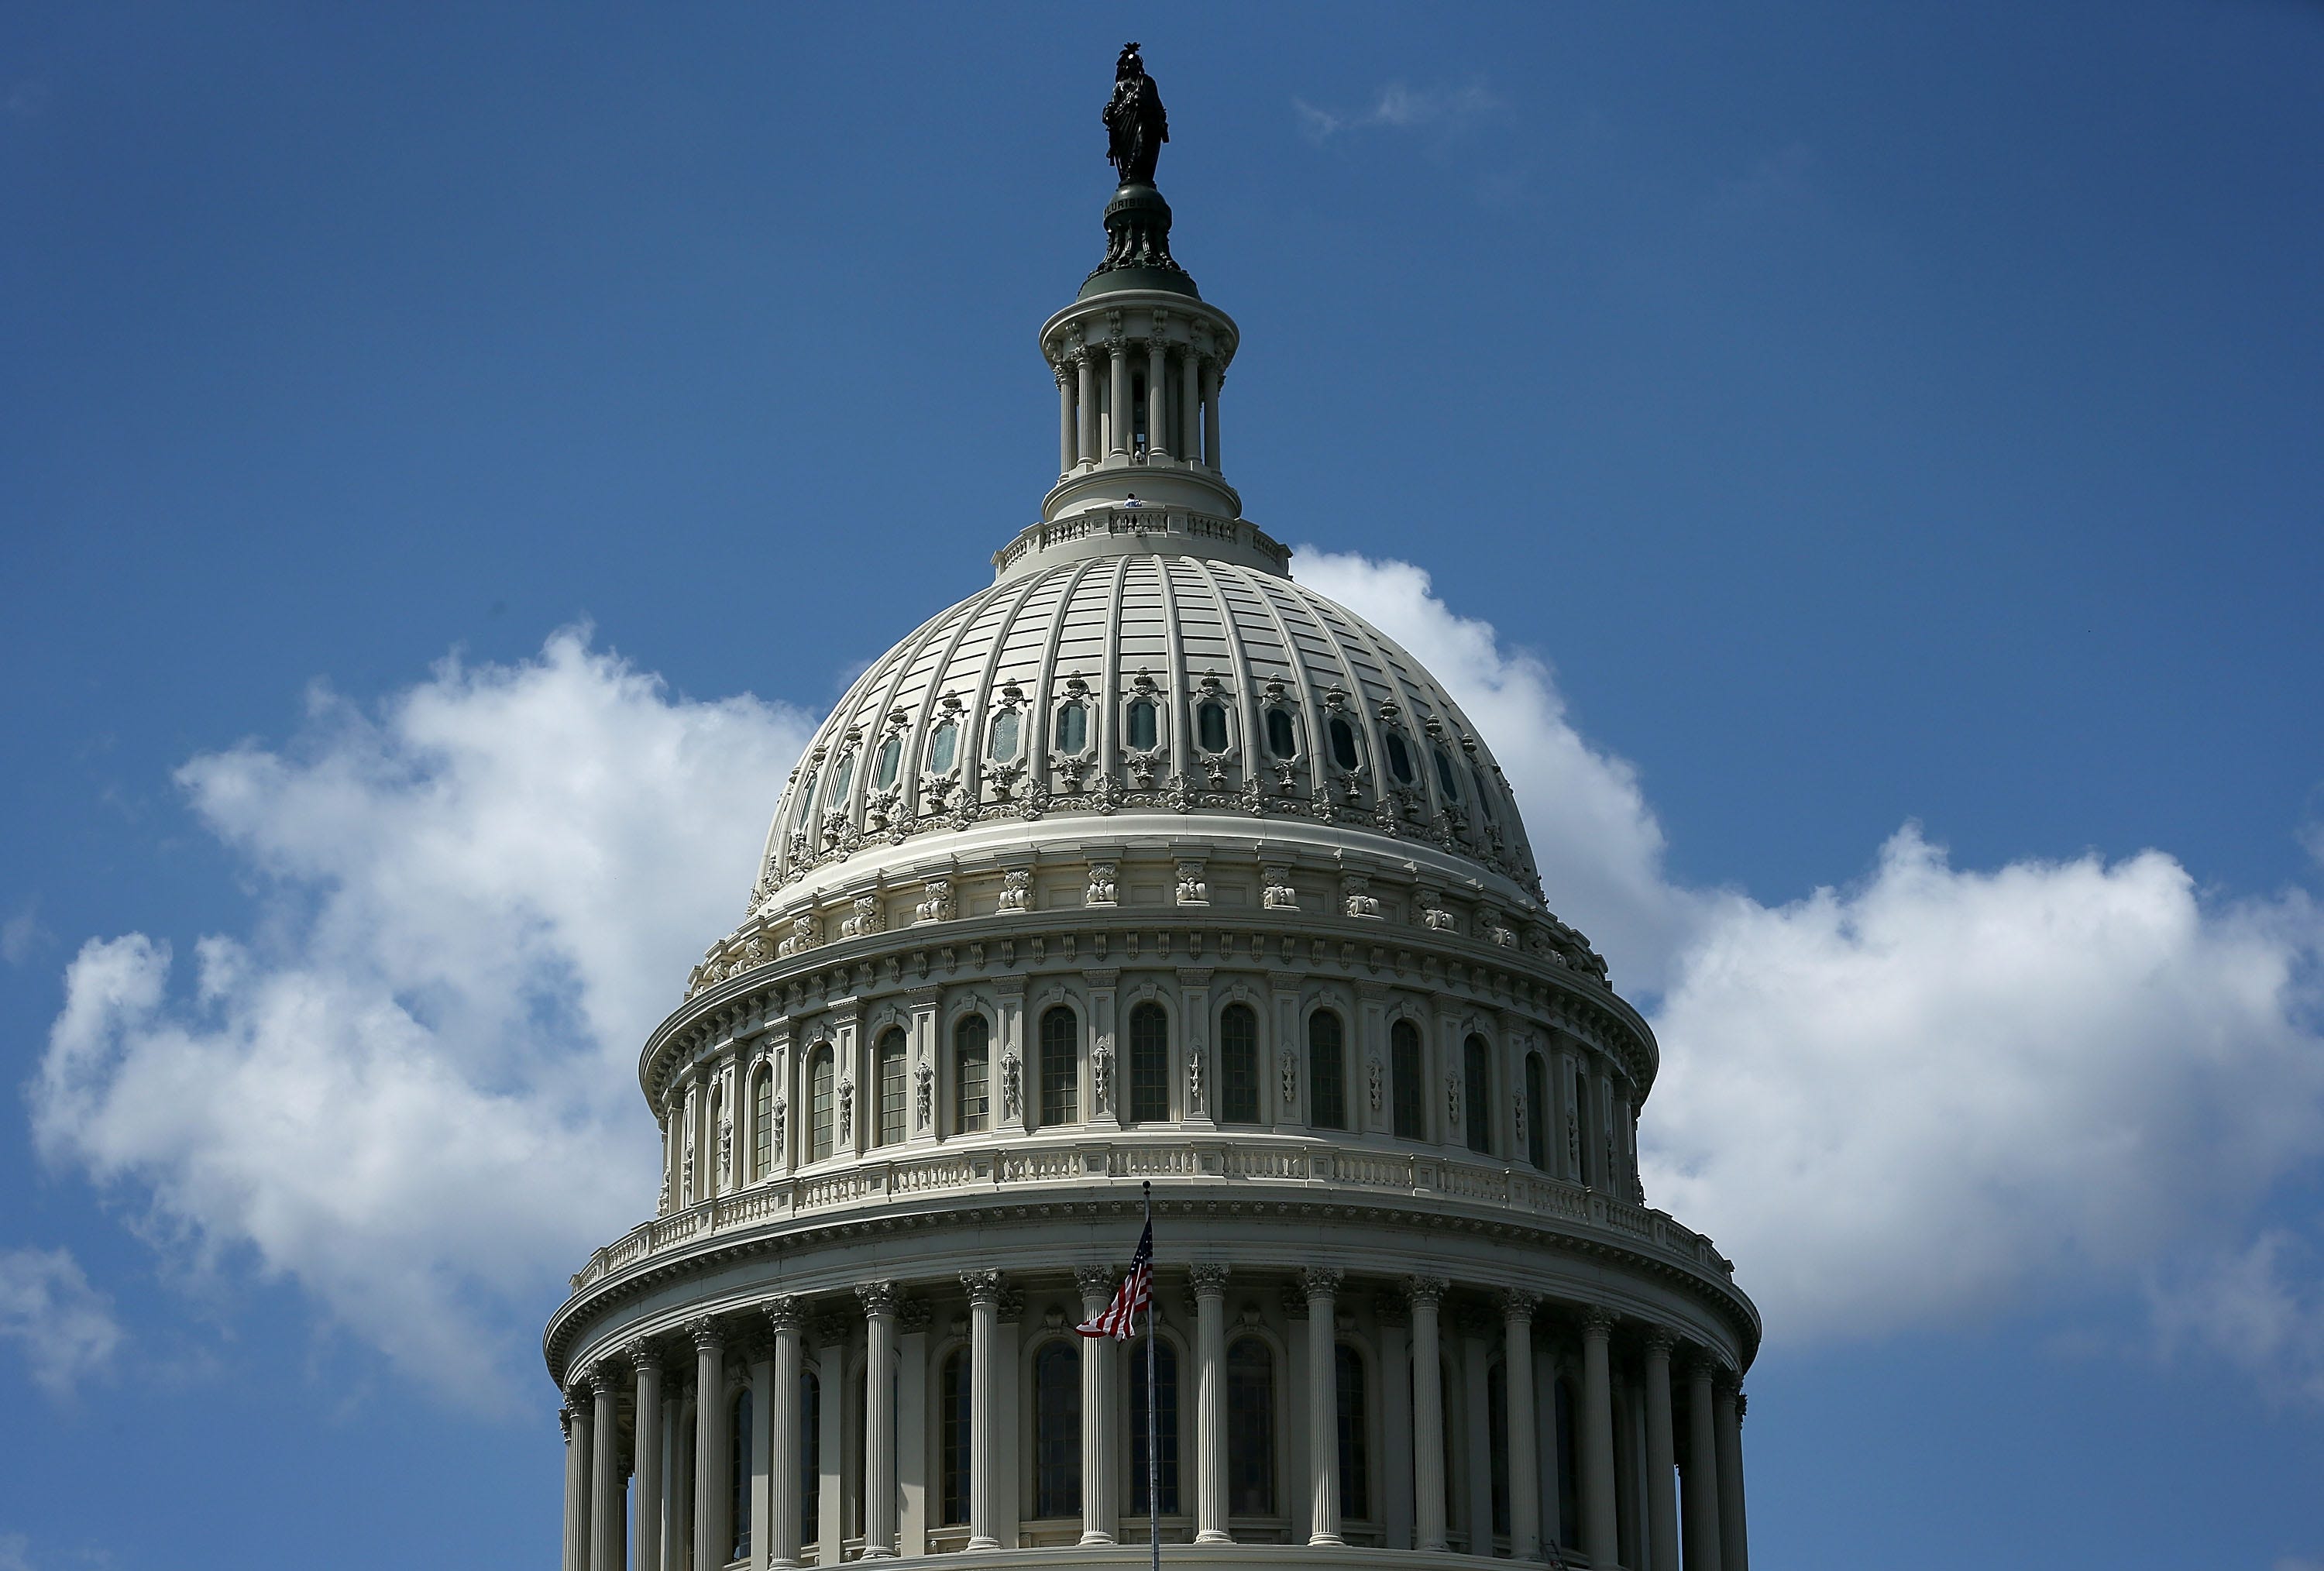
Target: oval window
point(1141, 724)
point(1210, 727)
point(891, 753)
point(943, 747)
point(841, 776)
point(1072, 728)
point(1343, 741)
point(1399, 759)
point(1484, 797)
point(1282, 737)
point(807, 786)
point(1446, 778)
point(1004, 736)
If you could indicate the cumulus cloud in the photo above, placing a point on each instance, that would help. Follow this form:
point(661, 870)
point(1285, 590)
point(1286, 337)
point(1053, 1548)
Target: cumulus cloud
point(65, 1327)
point(1398, 106)
point(1938, 1091)
point(411, 1087)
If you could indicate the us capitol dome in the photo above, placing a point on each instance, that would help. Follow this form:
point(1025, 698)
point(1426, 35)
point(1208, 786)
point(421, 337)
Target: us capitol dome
point(1145, 864)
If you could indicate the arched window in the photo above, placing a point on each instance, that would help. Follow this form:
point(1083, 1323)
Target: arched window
point(953, 1460)
point(944, 746)
point(843, 775)
point(1058, 1431)
point(1569, 1470)
point(1445, 777)
point(738, 1472)
point(762, 1122)
point(1484, 797)
point(1355, 1461)
point(1211, 726)
point(1282, 733)
point(1061, 1036)
point(1536, 1111)
point(1410, 1089)
point(1005, 728)
point(1251, 1429)
point(1141, 722)
point(1072, 728)
point(1497, 1440)
point(810, 1463)
point(1237, 1065)
point(1149, 1063)
point(891, 755)
point(1476, 1107)
point(972, 1074)
point(892, 1094)
point(1343, 741)
point(821, 1102)
point(1327, 1080)
point(1165, 1426)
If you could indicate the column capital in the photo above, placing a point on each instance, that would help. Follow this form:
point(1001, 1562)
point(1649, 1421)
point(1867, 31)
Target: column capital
point(983, 1287)
point(604, 1380)
point(1321, 1281)
point(565, 1422)
point(706, 1334)
point(1597, 1322)
point(1659, 1343)
point(1428, 1289)
point(913, 1315)
point(1517, 1304)
point(1704, 1365)
point(879, 1299)
point(1741, 1402)
point(1391, 1308)
point(642, 1353)
point(786, 1313)
point(1210, 1280)
point(1095, 1280)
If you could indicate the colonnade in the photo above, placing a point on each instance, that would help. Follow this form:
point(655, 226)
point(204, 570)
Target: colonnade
point(1640, 1495)
point(1181, 403)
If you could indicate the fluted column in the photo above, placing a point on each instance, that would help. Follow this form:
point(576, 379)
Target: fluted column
point(605, 1470)
point(1099, 1432)
point(1190, 408)
point(1066, 417)
point(645, 1526)
point(878, 1300)
point(1599, 1537)
point(1322, 1285)
point(1727, 1406)
point(784, 1315)
point(1702, 1469)
point(984, 1404)
point(1661, 1459)
point(1157, 433)
point(713, 1535)
point(574, 1417)
point(1427, 1413)
point(1086, 403)
point(1120, 414)
point(1525, 1466)
point(1210, 1404)
point(1211, 380)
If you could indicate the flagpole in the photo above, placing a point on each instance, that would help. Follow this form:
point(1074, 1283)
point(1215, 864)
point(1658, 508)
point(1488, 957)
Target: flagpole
point(1153, 1423)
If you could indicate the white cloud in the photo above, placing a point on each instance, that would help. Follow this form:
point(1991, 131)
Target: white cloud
point(65, 1327)
point(1940, 1091)
point(412, 1089)
point(1398, 106)
point(21, 936)
point(2260, 1310)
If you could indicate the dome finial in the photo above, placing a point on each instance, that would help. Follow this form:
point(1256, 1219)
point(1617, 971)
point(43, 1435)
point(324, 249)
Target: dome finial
point(1136, 126)
point(1137, 220)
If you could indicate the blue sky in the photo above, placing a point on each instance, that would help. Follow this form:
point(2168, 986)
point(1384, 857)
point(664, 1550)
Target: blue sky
point(1865, 463)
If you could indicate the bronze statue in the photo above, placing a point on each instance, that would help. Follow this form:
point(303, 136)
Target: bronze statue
point(1135, 126)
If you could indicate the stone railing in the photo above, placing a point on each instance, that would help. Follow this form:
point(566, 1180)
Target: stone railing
point(1142, 521)
point(1088, 1166)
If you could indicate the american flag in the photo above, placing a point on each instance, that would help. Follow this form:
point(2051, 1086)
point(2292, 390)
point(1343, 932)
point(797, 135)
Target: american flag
point(1119, 1318)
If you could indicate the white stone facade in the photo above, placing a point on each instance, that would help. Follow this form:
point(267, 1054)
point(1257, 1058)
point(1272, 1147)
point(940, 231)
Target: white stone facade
point(1148, 866)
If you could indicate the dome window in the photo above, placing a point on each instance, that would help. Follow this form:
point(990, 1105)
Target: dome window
point(1211, 726)
point(1072, 728)
point(1141, 722)
point(1484, 797)
point(1282, 735)
point(1445, 777)
point(944, 747)
point(1005, 728)
point(1343, 743)
point(807, 786)
point(842, 777)
point(892, 754)
point(1399, 759)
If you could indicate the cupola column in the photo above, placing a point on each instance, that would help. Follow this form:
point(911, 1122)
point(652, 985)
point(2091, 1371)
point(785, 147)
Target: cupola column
point(1190, 407)
point(1066, 448)
point(1210, 1405)
point(1100, 1433)
point(1599, 1536)
point(575, 1418)
point(879, 1300)
point(1427, 1294)
point(1157, 431)
point(1086, 406)
point(1324, 1407)
point(1524, 1469)
point(1702, 1469)
point(1211, 381)
point(983, 1403)
point(1118, 352)
point(1662, 1458)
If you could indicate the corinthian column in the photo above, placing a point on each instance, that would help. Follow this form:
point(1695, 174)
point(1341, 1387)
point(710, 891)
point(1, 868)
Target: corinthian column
point(1085, 402)
point(713, 1534)
point(1702, 1469)
point(1599, 1533)
point(1158, 434)
point(1210, 1405)
point(1190, 408)
point(1065, 453)
point(983, 1403)
point(1427, 1413)
point(574, 1417)
point(1099, 1432)
point(1661, 1459)
point(1323, 1284)
point(878, 1300)
point(605, 1471)
point(783, 1452)
point(1525, 1466)
point(1123, 417)
point(1727, 1406)
point(645, 1526)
